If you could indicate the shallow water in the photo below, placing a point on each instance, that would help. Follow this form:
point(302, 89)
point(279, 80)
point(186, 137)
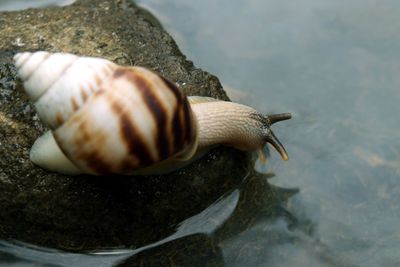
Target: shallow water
point(8, 5)
point(334, 65)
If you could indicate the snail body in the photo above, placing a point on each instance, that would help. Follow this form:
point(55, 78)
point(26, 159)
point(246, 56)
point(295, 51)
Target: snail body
point(105, 118)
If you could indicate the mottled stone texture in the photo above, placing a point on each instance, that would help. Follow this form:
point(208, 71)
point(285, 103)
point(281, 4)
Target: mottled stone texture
point(87, 212)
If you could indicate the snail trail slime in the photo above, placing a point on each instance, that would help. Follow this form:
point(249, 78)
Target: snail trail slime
point(105, 118)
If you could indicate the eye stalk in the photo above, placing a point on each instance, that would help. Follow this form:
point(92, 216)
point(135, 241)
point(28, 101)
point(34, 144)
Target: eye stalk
point(271, 138)
point(278, 117)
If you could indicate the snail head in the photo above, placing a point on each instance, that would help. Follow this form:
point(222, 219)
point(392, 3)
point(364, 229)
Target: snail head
point(268, 134)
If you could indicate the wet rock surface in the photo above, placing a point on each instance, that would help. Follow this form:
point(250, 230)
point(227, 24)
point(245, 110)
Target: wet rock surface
point(202, 250)
point(86, 212)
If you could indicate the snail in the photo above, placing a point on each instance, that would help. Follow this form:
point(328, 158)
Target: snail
point(111, 119)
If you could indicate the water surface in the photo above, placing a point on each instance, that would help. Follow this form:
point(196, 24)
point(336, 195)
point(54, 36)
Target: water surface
point(9, 5)
point(335, 65)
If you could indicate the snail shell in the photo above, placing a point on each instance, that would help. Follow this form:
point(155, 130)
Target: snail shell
point(105, 118)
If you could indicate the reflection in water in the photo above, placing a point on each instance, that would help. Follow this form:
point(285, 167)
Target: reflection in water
point(8, 5)
point(9, 259)
point(258, 200)
point(335, 65)
point(192, 250)
point(19, 254)
point(197, 239)
point(256, 213)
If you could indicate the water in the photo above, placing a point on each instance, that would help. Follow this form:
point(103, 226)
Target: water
point(8, 5)
point(334, 65)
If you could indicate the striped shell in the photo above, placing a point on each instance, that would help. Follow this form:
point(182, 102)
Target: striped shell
point(107, 118)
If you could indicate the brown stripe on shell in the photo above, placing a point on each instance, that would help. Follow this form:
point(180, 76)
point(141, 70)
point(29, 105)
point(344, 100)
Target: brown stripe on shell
point(189, 131)
point(137, 147)
point(177, 126)
point(157, 110)
point(74, 104)
point(93, 158)
point(97, 79)
point(58, 118)
point(173, 88)
point(119, 72)
point(89, 159)
point(182, 121)
point(84, 95)
point(95, 162)
point(177, 122)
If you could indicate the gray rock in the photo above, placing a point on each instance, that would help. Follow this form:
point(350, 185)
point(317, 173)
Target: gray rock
point(87, 212)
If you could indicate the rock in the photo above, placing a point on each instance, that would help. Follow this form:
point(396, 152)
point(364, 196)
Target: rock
point(86, 212)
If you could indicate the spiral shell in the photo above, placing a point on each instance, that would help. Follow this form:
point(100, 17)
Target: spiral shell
point(107, 118)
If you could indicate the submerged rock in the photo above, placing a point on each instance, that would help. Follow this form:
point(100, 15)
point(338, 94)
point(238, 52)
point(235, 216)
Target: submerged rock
point(196, 250)
point(86, 212)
